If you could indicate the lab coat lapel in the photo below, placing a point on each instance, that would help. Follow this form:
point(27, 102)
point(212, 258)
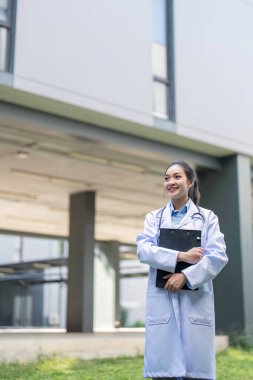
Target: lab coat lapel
point(187, 220)
point(166, 217)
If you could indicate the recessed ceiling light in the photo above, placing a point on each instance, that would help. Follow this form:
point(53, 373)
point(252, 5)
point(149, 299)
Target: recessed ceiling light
point(22, 154)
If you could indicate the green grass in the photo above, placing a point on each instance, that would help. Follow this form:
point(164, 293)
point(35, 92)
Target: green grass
point(235, 364)
point(232, 364)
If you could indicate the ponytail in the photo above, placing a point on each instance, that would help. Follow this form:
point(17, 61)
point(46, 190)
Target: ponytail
point(194, 192)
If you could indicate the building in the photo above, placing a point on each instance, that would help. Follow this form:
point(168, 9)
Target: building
point(96, 98)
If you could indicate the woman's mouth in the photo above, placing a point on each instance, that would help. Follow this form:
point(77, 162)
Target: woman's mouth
point(172, 189)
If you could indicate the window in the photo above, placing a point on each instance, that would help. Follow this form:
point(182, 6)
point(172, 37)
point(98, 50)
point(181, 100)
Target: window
point(162, 57)
point(7, 10)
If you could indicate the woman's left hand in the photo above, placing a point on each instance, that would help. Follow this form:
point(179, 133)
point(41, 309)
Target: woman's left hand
point(175, 281)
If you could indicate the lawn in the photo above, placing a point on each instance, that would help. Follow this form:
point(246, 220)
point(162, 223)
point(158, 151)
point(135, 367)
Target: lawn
point(232, 364)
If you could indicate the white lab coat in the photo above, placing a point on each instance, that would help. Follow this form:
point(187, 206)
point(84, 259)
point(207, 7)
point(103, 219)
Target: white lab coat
point(180, 326)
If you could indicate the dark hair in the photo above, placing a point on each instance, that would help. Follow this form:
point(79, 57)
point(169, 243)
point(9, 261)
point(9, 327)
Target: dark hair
point(194, 193)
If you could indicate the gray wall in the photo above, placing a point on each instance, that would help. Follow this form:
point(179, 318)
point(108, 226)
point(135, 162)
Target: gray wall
point(228, 293)
point(214, 75)
point(92, 53)
point(228, 194)
point(97, 54)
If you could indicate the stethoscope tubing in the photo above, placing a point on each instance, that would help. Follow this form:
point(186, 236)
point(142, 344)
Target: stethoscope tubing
point(195, 215)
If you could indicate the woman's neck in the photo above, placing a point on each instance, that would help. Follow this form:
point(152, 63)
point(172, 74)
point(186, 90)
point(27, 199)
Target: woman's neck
point(179, 203)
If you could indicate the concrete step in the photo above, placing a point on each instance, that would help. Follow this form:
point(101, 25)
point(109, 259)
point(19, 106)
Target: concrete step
point(26, 345)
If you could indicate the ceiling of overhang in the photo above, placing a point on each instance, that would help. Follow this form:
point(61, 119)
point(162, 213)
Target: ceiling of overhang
point(39, 170)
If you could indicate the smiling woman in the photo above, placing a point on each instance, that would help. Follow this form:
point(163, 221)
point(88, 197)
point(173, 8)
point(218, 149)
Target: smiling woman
point(180, 318)
point(181, 183)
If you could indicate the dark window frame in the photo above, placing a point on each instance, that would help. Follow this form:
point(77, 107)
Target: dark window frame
point(170, 81)
point(170, 59)
point(10, 26)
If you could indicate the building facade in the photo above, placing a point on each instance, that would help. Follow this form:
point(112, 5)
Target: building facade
point(96, 98)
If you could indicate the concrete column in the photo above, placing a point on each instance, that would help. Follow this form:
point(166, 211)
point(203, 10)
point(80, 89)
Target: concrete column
point(114, 249)
point(106, 292)
point(228, 194)
point(81, 263)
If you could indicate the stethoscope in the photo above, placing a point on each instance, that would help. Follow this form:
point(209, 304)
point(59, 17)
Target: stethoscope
point(198, 215)
point(195, 216)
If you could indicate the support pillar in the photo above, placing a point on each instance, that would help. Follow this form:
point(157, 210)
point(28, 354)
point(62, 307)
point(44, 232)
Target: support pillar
point(106, 306)
point(228, 194)
point(81, 262)
point(116, 266)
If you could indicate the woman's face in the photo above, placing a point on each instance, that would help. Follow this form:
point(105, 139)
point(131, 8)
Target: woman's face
point(176, 183)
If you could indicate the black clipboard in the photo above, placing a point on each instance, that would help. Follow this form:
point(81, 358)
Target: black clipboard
point(179, 240)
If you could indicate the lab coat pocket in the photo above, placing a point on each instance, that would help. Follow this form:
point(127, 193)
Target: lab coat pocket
point(158, 308)
point(201, 308)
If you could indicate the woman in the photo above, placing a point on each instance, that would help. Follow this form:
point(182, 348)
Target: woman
point(180, 326)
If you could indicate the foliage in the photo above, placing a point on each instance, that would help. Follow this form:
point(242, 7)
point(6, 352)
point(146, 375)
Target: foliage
point(123, 316)
point(138, 324)
point(241, 340)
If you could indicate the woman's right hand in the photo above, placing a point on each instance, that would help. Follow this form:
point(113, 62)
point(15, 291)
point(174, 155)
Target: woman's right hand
point(193, 256)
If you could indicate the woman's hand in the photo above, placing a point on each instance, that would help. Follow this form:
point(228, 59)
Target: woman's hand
point(175, 281)
point(193, 256)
